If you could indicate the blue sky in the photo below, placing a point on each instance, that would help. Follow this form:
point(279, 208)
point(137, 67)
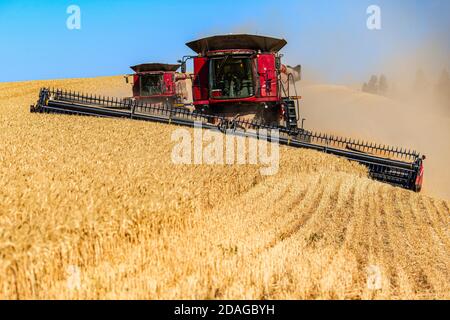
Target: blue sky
point(328, 37)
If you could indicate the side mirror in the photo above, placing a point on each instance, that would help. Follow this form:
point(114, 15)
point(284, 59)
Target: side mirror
point(129, 79)
point(183, 65)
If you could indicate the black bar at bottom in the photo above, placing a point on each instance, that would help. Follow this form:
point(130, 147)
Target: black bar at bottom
point(168, 309)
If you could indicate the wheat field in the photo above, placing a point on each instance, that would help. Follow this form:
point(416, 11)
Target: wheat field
point(94, 209)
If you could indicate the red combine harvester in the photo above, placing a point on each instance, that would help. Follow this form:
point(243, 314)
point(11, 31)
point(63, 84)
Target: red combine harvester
point(241, 77)
point(158, 83)
point(239, 87)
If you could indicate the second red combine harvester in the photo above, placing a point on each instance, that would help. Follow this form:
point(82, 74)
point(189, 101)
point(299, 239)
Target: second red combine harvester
point(239, 87)
point(158, 83)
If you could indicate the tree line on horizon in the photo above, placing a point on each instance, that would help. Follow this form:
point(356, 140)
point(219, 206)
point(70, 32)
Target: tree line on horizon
point(441, 87)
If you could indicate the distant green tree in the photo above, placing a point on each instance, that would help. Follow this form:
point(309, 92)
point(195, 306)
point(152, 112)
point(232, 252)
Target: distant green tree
point(372, 86)
point(383, 85)
point(365, 87)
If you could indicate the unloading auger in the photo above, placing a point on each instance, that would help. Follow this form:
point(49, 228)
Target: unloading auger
point(396, 166)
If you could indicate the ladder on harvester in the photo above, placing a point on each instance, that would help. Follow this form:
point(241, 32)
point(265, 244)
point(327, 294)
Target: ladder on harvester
point(291, 104)
point(290, 113)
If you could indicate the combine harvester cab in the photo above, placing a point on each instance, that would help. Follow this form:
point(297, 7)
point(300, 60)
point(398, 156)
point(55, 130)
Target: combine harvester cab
point(239, 87)
point(158, 83)
point(241, 76)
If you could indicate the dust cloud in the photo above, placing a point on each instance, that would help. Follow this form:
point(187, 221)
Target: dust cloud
point(413, 114)
point(419, 125)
